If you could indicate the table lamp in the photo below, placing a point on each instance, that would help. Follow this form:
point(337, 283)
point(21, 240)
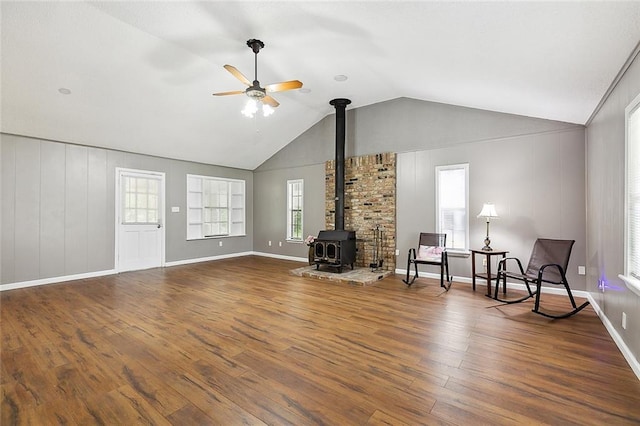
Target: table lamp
point(488, 211)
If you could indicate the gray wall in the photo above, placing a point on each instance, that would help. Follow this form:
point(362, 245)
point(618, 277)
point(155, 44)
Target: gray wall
point(605, 209)
point(532, 169)
point(270, 204)
point(58, 211)
point(404, 124)
point(536, 182)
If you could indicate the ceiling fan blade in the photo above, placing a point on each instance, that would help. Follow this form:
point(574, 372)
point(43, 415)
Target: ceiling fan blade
point(237, 74)
point(233, 92)
point(282, 86)
point(270, 101)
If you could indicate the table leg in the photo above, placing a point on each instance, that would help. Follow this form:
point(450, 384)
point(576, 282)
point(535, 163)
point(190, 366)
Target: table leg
point(504, 280)
point(488, 275)
point(473, 270)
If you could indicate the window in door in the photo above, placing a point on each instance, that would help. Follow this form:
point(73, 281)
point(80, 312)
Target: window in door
point(141, 200)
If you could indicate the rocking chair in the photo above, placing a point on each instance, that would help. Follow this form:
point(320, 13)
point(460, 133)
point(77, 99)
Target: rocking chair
point(547, 264)
point(431, 251)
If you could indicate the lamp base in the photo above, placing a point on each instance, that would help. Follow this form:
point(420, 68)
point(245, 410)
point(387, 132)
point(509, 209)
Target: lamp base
point(486, 247)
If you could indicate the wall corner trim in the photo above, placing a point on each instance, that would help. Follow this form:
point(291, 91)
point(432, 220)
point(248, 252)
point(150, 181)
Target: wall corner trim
point(614, 83)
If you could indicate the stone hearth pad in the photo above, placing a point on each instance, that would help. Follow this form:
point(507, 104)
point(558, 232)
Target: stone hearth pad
point(357, 276)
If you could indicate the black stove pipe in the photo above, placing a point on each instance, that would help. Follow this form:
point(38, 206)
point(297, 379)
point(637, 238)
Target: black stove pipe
point(340, 104)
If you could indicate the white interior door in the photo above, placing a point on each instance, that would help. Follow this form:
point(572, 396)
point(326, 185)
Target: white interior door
point(139, 215)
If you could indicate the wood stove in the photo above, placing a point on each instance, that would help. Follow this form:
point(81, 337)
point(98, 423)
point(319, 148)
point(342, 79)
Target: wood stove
point(335, 249)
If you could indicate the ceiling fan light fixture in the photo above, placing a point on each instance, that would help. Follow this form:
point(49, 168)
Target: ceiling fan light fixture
point(267, 110)
point(250, 108)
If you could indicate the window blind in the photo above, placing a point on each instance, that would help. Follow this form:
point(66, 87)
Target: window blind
point(633, 192)
point(294, 209)
point(452, 194)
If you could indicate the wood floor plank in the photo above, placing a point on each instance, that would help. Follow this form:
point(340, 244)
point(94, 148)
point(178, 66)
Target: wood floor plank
point(295, 388)
point(122, 406)
point(243, 341)
point(217, 408)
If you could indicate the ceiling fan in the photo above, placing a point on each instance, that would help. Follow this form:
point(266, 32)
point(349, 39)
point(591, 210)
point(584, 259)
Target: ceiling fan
point(254, 91)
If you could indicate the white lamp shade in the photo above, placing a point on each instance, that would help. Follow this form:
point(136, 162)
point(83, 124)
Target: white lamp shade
point(488, 210)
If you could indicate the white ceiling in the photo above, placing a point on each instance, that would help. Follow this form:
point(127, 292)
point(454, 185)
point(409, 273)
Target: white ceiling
point(141, 74)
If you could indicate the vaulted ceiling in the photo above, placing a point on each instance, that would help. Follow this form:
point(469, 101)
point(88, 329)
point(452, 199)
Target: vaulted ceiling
point(139, 75)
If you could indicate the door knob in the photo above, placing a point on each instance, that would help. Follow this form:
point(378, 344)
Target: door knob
point(159, 226)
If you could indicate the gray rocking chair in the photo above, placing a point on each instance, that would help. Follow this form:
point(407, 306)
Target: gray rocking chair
point(431, 251)
point(547, 264)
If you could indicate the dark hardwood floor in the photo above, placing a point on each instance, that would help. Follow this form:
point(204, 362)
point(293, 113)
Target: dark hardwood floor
point(241, 341)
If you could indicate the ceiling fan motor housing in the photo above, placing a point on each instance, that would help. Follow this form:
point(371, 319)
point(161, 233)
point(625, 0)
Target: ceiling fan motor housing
point(255, 45)
point(255, 91)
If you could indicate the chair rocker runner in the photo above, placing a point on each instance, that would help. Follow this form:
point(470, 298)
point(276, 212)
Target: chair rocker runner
point(547, 264)
point(431, 251)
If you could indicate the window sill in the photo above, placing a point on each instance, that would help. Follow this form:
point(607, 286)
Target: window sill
point(215, 237)
point(294, 241)
point(632, 283)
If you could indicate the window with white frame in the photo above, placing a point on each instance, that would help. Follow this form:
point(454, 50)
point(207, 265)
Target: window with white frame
point(632, 197)
point(452, 205)
point(215, 207)
point(295, 190)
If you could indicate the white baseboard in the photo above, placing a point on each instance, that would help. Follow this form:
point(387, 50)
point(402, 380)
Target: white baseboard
point(281, 256)
point(54, 280)
point(481, 283)
point(626, 352)
point(228, 256)
point(208, 258)
point(63, 278)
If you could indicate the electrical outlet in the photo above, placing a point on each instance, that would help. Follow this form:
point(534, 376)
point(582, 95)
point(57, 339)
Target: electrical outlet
point(280, 243)
point(269, 243)
point(581, 270)
point(484, 262)
point(220, 243)
point(397, 252)
point(624, 320)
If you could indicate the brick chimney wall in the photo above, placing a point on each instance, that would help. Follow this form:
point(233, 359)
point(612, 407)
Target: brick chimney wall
point(370, 200)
